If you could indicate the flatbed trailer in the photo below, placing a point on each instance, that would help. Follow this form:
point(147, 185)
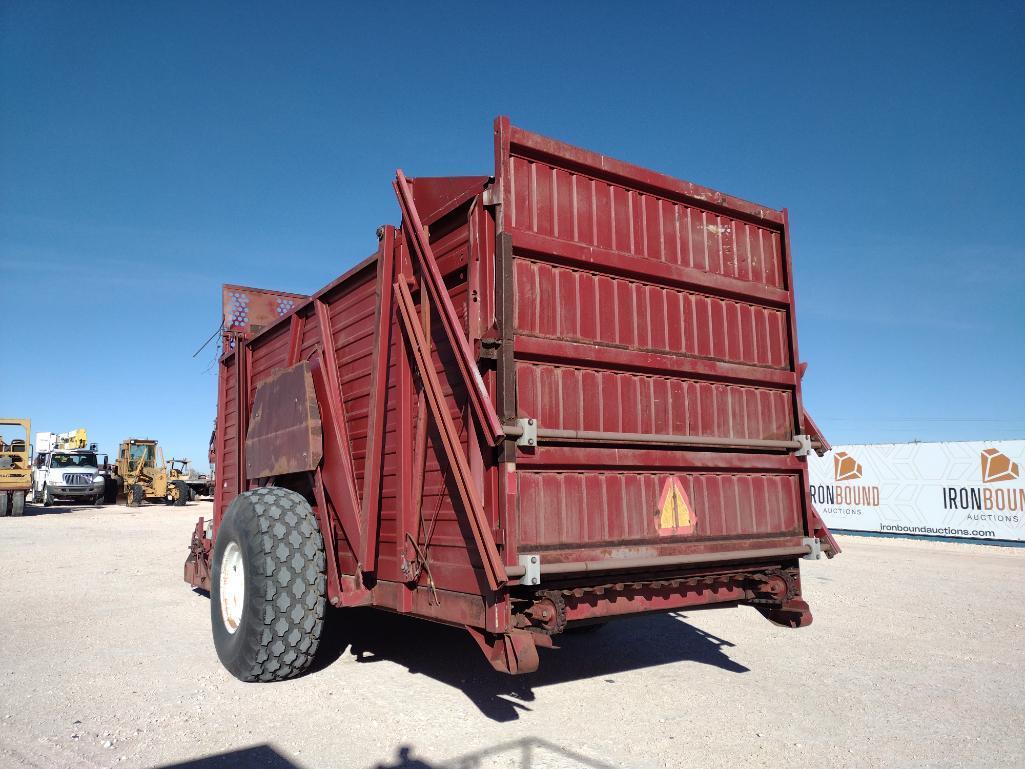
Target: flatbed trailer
point(564, 393)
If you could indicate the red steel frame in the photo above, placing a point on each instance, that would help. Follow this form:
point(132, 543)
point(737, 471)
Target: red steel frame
point(422, 354)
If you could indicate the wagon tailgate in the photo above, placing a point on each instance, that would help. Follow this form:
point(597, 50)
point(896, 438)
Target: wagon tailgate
point(647, 305)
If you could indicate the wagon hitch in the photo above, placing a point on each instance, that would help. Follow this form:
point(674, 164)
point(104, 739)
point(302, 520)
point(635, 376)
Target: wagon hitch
point(197, 564)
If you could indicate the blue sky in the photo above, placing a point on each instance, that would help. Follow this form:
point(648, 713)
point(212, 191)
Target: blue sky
point(151, 151)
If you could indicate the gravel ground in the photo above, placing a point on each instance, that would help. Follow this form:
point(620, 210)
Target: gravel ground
point(914, 659)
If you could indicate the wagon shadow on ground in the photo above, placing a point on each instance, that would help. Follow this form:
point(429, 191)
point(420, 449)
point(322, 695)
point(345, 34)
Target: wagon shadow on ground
point(449, 655)
point(526, 753)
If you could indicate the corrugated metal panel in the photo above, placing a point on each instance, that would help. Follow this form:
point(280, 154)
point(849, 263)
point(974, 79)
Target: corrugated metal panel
point(625, 264)
point(560, 510)
point(549, 200)
point(587, 305)
point(227, 436)
point(579, 398)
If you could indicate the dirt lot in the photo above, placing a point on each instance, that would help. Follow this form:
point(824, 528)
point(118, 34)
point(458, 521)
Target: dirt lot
point(914, 659)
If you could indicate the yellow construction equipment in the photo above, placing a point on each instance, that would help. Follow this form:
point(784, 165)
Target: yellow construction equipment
point(73, 439)
point(15, 465)
point(144, 474)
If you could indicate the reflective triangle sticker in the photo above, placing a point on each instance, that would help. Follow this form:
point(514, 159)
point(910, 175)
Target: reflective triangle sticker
point(675, 516)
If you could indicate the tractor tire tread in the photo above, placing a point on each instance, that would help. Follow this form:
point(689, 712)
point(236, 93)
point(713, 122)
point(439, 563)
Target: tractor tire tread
point(290, 571)
point(183, 493)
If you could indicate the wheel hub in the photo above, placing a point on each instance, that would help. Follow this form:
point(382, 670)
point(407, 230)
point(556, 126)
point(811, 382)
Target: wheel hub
point(233, 586)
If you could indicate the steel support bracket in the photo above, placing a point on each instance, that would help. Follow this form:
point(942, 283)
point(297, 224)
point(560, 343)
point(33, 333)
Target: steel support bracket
point(527, 438)
point(531, 563)
point(805, 448)
point(816, 548)
point(492, 196)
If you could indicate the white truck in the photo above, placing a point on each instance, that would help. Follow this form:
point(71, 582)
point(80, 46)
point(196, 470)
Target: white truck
point(67, 474)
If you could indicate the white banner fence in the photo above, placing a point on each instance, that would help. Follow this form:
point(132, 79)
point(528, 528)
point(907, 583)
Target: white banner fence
point(970, 489)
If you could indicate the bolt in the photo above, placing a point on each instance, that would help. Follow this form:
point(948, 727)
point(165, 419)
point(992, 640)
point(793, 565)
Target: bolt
point(530, 441)
point(533, 559)
point(533, 581)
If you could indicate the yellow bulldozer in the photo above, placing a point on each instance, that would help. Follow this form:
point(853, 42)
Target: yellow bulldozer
point(143, 474)
point(15, 465)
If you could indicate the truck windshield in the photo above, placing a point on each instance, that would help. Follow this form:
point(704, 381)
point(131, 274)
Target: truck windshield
point(139, 451)
point(87, 459)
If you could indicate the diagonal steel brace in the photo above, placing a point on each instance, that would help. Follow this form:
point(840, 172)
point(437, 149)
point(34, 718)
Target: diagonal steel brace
point(494, 569)
point(483, 409)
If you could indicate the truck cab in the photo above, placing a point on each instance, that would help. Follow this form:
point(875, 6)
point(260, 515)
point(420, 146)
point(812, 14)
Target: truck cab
point(67, 474)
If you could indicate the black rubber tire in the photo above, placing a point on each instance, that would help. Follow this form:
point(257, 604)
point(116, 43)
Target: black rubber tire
point(4, 497)
point(17, 503)
point(110, 488)
point(97, 500)
point(135, 495)
point(285, 584)
point(47, 497)
point(37, 496)
point(184, 494)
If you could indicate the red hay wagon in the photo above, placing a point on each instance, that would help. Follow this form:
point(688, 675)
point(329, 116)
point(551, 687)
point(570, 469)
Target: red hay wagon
point(558, 395)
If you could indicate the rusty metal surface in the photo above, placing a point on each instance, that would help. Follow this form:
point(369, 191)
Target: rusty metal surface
point(664, 561)
point(197, 563)
point(285, 434)
point(247, 311)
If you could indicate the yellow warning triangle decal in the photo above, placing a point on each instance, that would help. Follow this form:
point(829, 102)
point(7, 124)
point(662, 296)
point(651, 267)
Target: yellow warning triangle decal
point(674, 511)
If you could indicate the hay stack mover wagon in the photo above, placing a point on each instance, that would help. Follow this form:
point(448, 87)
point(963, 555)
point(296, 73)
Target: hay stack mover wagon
point(558, 395)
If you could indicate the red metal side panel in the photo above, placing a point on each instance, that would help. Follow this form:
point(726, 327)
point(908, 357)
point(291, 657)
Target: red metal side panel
point(453, 564)
point(553, 195)
point(352, 320)
point(270, 354)
point(351, 312)
point(646, 305)
point(572, 397)
point(578, 509)
point(227, 442)
point(591, 306)
point(390, 531)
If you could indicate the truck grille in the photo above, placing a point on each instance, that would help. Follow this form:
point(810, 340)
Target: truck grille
point(77, 479)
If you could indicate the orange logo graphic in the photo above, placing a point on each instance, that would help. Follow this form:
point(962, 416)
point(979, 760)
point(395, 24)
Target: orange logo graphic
point(675, 516)
point(997, 467)
point(845, 467)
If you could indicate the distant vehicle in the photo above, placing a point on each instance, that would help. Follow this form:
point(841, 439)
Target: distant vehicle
point(15, 465)
point(145, 476)
point(200, 484)
point(68, 475)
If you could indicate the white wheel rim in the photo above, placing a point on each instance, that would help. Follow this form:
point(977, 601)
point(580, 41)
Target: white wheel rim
point(233, 586)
